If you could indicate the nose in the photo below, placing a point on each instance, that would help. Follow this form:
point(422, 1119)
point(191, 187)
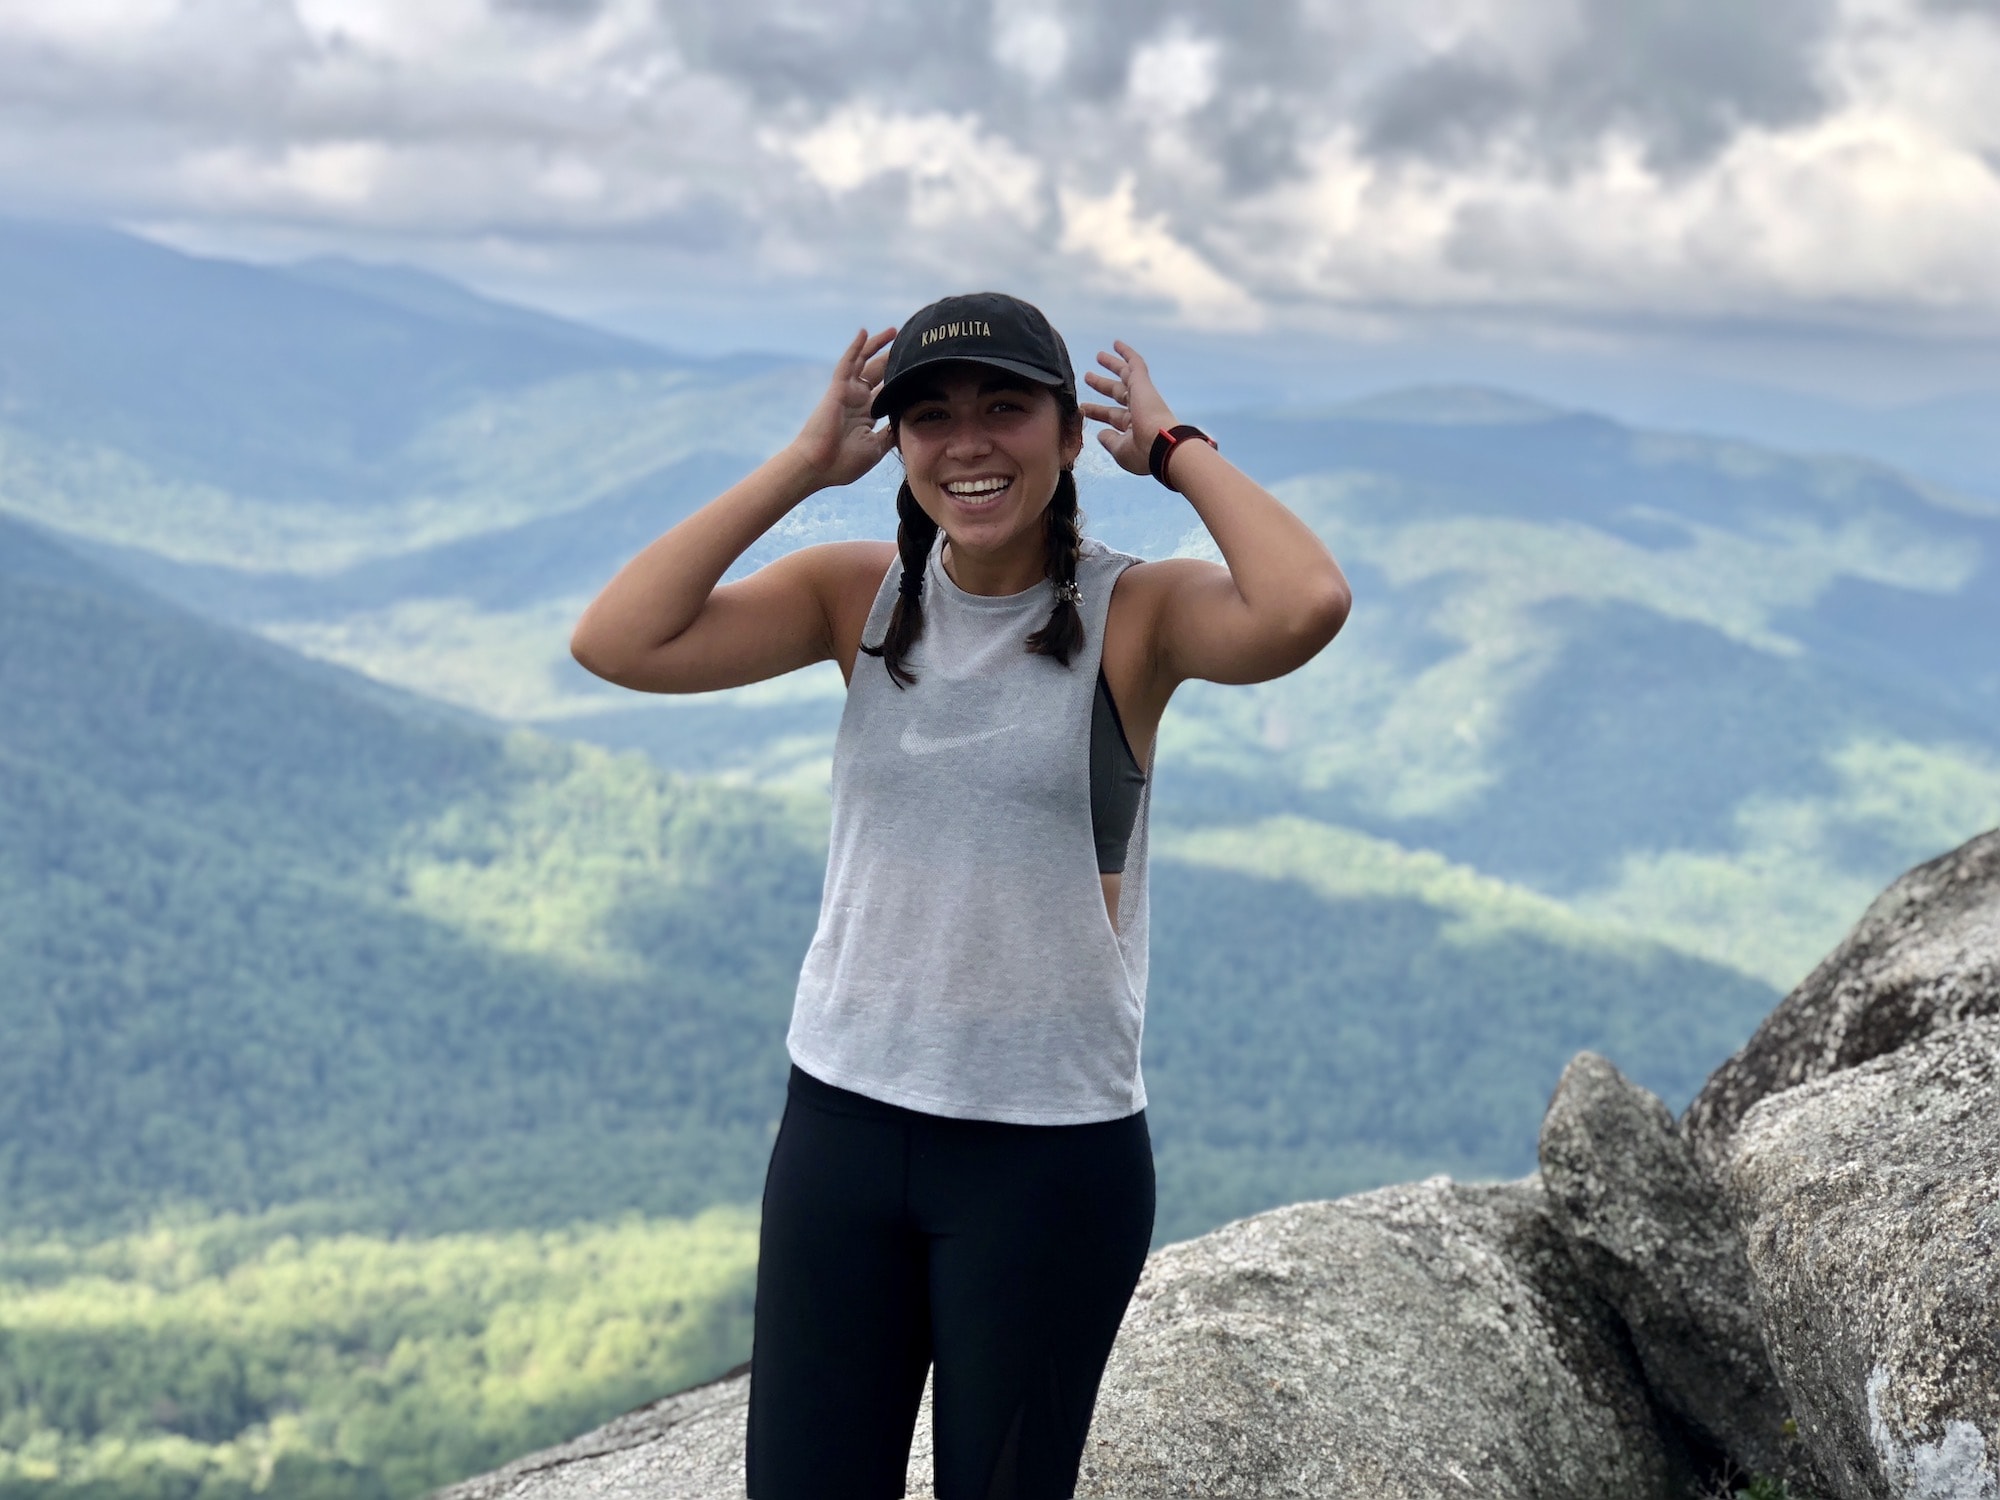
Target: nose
point(968, 439)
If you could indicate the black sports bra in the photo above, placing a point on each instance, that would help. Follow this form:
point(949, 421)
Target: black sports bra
point(1116, 780)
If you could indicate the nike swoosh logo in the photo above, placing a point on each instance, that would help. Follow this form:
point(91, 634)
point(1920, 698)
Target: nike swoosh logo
point(916, 742)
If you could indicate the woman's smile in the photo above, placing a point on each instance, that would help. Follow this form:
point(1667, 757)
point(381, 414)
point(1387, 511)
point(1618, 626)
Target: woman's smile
point(978, 494)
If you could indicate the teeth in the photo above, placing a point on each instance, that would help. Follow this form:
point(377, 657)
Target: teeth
point(978, 487)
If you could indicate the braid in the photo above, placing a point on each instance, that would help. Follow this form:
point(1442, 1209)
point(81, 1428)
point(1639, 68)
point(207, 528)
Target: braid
point(915, 532)
point(1063, 529)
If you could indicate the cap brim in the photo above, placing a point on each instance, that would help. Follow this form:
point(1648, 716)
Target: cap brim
point(1036, 373)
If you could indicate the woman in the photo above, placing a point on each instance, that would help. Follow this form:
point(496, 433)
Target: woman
point(963, 1178)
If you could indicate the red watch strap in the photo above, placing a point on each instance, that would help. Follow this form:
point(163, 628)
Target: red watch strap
point(1164, 445)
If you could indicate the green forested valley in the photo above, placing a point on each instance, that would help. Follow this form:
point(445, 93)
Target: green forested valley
point(394, 1017)
point(225, 1357)
point(309, 987)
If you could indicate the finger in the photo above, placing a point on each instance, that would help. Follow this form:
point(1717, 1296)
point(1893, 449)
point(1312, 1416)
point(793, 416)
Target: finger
point(1104, 385)
point(872, 371)
point(1132, 356)
point(1111, 362)
point(1097, 413)
point(878, 342)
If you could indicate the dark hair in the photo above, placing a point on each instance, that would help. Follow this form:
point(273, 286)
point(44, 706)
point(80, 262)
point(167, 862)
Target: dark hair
point(1062, 525)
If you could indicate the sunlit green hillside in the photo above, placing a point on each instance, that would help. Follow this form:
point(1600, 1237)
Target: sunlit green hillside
point(265, 938)
point(228, 1358)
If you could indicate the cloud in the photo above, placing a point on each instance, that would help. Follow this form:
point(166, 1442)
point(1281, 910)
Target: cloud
point(1135, 253)
point(1172, 77)
point(1683, 80)
point(1032, 40)
point(1220, 160)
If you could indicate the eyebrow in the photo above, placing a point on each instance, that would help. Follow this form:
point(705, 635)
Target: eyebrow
point(992, 385)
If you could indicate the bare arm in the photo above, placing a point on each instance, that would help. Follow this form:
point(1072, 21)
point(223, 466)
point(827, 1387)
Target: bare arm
point(1280, 598)
point(662, 626)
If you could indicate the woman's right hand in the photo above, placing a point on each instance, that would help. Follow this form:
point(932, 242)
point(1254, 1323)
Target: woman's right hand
point(839, 442)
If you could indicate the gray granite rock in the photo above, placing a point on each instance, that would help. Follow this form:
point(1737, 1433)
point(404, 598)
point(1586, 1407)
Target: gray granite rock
point(1924, 958)
point(1649, 1233)
point(1870, 1207)
point(687, 1446)
point(1427, 1341)
point(1421, 1341)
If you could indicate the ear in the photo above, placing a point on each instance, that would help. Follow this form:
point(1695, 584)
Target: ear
point(1072, 439)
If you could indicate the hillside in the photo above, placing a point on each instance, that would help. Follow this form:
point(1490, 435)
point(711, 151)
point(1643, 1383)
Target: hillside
point(269, 940)
point(273, 940)
point(304, 419)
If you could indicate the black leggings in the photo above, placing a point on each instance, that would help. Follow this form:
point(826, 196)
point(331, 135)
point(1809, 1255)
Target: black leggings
point(892, 1238)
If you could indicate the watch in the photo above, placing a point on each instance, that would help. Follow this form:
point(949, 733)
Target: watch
point(1169, 439)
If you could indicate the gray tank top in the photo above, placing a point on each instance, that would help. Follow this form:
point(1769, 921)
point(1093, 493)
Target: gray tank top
point(964, 963)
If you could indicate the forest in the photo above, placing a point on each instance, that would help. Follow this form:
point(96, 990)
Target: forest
point(394, 1018)
point(365, 1058)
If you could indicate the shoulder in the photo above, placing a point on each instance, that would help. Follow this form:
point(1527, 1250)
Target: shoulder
point(836, 567)
point(1099, 558)
point(1145, 590)
point(849, 561)
point(847, 577)
point(841, 568)
point(1153, 583)
point(1154, 580)
point(1152, 596)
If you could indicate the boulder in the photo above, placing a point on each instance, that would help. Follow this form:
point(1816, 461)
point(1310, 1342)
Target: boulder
point(1869, 1203)
point(1924, 958)
point(1420, 1341)
point(1429, 1341)
point(1649, 1233)
point(688, 1445)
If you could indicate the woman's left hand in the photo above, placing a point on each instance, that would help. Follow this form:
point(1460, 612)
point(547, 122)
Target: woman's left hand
point(1139, 416)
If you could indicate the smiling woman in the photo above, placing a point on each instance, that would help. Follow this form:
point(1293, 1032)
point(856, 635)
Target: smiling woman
point(963, 1177)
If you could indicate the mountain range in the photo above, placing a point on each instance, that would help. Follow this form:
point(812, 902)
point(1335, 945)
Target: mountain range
point(334, 895)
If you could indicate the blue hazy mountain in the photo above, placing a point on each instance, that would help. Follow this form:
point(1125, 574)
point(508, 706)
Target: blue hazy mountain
point(1714, 692)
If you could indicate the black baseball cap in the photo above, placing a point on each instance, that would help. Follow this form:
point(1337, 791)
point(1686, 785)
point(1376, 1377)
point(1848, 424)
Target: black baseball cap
point(987, 328)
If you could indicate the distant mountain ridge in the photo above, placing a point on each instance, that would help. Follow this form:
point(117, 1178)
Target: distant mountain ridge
point(1623, 666)
point(1690, 691)
point(234, 374)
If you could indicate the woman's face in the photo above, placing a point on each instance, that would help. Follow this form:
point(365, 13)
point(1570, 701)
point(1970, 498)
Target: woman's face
point(982, 450)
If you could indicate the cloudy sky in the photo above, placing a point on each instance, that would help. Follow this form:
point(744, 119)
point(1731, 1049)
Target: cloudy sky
point(1816, 174)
